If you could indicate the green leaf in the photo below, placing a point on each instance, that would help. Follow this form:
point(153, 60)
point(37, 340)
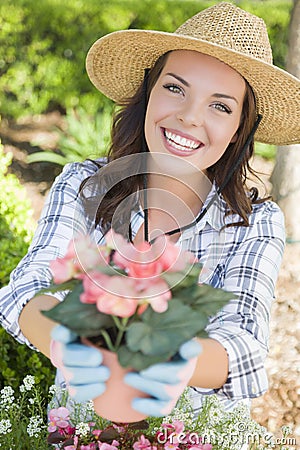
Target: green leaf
point(66, 286)
point(209, 300)
point(82, 318)
point(137, 360)
point(185, 278)
point(161, 334)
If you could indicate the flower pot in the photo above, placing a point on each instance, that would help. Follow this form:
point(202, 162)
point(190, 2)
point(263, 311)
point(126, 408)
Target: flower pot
point(115, 403)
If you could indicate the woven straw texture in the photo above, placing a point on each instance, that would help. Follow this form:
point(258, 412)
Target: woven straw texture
point(116, 63)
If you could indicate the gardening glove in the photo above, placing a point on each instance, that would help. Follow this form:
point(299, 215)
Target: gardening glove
point(164, 382)
point(80, 365)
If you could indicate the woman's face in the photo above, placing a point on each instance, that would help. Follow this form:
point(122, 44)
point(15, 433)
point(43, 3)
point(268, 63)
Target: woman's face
point(194, 109)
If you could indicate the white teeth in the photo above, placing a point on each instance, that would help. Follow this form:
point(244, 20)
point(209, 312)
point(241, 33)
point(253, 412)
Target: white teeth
point(180, 142)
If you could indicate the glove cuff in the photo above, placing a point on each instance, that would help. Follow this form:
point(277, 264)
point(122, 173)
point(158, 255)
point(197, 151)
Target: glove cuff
point(56, 354)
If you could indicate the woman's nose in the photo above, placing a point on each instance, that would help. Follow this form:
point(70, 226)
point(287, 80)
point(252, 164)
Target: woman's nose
point(191, 114)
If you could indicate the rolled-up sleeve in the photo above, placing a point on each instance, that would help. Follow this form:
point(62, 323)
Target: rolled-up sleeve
point(242, 326)
point(62, 217)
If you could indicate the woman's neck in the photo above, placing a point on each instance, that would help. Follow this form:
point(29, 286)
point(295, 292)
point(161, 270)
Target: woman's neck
point(173, 203)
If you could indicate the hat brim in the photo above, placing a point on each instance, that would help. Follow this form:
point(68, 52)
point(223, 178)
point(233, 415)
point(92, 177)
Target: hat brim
point(115, 65)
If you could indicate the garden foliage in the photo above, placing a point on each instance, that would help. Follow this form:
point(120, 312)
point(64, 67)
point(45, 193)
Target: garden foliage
point(44, 44)
point(16, 228)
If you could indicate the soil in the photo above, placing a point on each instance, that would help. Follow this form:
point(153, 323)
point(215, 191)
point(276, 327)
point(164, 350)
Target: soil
point(281, 404)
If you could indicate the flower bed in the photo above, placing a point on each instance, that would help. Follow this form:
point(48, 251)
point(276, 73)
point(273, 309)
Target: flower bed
point(24, 425)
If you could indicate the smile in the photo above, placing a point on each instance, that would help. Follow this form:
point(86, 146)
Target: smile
point(181, 143)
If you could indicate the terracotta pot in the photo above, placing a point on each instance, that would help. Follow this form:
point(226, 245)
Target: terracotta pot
point(115, 403)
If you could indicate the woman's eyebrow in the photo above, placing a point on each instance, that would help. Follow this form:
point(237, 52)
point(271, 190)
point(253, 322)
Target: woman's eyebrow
point(179, 78)
point(217, 95)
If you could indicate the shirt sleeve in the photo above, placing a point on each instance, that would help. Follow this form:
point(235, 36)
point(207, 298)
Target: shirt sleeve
point(242, 326)
point(61, 218)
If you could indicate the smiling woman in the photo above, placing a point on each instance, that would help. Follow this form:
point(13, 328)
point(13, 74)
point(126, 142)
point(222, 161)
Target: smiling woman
point(190, 105)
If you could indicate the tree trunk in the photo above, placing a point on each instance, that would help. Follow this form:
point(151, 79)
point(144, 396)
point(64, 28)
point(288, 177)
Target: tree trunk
point(286, 174)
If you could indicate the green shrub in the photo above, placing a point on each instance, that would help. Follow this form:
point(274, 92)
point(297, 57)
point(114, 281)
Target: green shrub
point(16, 228)
point(84, 137)
point(44, 44)
point(266, 151)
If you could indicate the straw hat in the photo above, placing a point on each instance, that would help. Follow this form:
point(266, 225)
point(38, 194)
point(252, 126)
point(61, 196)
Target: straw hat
point(116, 62)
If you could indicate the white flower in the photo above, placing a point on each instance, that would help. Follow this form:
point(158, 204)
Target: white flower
point(183, 416)
point(7, 397)
point(35, 426)
point(5, 426)
point(7, 391)
point(286, 430)
point(56, 390)
point(82, 429)
point(28, 383)
point(89, 406)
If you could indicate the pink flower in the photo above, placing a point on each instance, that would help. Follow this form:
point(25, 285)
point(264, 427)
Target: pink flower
point(170, 256)
point(93, 285)
point(91, 446)
point(82, 255)
point(174, 432)
point(170, 446)
point(58, 418)
point(178, 426)
point(96, 432)
point(117, 306)
point(73, 447)
point(200, 447)
point(139, 261)
point(156, 293)
point(63, 269)
point(120, 298)
point(88, 254)
point(116, 242)
point(145, 263)
point(105, 446)
point(143, 444)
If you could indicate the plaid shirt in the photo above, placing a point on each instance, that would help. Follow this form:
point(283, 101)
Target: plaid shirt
point(243, 260)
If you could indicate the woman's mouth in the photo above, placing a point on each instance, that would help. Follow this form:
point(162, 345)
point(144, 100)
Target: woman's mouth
point(179, 143)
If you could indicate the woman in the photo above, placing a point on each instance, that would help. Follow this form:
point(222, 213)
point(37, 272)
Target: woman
point(178, 164)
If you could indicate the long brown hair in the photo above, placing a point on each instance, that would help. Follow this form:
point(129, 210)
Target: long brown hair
point(127, 137)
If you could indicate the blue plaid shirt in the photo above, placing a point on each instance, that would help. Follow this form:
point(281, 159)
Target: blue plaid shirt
point(243, 260)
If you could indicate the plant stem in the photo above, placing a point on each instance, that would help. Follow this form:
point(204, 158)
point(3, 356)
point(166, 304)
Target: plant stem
point(121, 325)
point(108, 341)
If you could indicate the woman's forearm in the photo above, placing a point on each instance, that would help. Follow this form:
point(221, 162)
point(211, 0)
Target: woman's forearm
point(212, 366)
point(34, 325)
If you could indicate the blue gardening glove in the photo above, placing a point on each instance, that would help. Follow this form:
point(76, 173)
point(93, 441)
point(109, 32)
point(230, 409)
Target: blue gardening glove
point(81, 366)
point(164, 382)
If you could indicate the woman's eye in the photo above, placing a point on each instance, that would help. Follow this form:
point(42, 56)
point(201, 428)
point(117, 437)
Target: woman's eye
point(223, 108)
point(173, 88)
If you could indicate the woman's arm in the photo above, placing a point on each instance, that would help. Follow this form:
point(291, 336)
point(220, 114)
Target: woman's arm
point(242, 326)
point(211, 371)
point(34, 325)
point(62, 218)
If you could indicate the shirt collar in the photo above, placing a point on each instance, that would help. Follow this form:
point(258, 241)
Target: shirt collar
point(214, 216)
